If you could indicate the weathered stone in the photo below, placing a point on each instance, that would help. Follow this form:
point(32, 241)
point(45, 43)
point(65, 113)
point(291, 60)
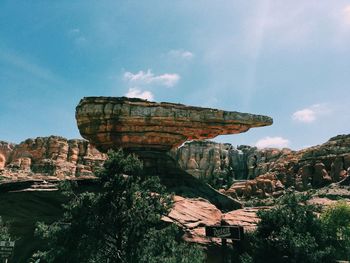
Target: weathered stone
point(194, 214)
point(134, 123)
point(51, 157)
point(310, 167)
point(153, 131)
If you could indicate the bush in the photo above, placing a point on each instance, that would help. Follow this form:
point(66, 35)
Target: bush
point(120, 222)
point(336, 220)
point(291, 232)
point(4, 231)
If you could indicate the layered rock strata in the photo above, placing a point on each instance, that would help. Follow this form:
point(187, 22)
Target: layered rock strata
point(111, 122)
point(152, 130)
point(53, 158)
point(194, 214)
point(312, 167)
point(264, 172)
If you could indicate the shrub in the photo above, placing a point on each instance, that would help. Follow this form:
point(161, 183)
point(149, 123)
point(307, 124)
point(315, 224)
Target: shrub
point(291, 232)
point(120, 222)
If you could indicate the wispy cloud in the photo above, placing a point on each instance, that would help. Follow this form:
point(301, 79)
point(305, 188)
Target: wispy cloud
point(310, 114)
point(137, 93)
point(147, 77)
point(77, 36)
point(272, 142)
point(181, 54)
point(27, 65)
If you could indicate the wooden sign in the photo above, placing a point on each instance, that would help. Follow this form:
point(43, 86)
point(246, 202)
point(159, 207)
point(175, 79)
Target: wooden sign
point(226, 232)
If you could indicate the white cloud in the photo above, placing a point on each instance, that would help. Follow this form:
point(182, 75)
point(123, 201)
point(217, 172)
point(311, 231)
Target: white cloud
point(272, 142)
point(180, 53)
point(305, 115)
point(144, 78)
point(136, 93)
point(311, 113)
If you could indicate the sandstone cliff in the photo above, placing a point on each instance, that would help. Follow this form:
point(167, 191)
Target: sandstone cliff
point(48, 158)
point(269, 171)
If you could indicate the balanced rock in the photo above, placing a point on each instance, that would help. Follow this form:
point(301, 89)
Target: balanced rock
point(110, 122)
point(152, 130)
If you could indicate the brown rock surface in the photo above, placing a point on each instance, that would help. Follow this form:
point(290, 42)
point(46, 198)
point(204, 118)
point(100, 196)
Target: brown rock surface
point(308, 168)
point(48, 158)
point(193, 214)
point(111, 122)
point(152, 129)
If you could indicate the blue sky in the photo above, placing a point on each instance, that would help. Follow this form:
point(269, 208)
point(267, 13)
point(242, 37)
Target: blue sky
point(286, 59)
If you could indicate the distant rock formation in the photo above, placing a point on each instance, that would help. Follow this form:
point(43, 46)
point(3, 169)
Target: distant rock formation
point(51, 157)
point(206, 158)
point(312, 167)
point(154, 130)
point(268, 171)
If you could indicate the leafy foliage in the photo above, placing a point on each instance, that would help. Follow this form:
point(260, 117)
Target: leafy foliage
point(120, 222)
point(336, 220)
point(4, 231)
point(291, 232)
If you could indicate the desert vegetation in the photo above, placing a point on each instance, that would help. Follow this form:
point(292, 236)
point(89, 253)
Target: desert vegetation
point(120, 222)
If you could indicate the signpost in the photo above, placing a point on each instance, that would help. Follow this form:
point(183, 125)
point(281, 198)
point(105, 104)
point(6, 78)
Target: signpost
point(233, 232)
point(6, 249)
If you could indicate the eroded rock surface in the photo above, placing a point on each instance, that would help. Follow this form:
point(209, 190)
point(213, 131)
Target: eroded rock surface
point(152, 130)
point(111, 122)
point(312, 167)
point(193, 214)
point(51, 157)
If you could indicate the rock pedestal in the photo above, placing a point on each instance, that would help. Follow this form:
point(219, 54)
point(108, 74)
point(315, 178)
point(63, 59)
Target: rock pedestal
point(152, 130)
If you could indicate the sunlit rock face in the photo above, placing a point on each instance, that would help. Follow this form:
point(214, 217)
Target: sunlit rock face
point(312, 167)
point(154, 130)
point(110, 122)
point(54, 157)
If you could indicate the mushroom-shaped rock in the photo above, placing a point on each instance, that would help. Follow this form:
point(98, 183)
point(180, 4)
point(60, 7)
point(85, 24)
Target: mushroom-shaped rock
point(152, 129)
point(130, 123)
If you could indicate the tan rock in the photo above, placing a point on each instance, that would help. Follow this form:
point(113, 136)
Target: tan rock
point(52, 156)
point(134, 123)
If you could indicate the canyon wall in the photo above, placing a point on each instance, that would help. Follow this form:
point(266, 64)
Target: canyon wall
point(268, 171)
point(49, 157)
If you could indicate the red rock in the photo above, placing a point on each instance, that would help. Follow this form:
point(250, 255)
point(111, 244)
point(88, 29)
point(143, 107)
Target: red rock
point(110, 123)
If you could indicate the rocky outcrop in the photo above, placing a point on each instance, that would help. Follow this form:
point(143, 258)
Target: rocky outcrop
point(111, 122)
point(153, 131)
point(312, 167)
point(194, 214)
point(268, 171)
point(203, 159)
point(49, 158)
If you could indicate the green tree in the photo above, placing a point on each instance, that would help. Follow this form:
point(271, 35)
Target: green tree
point(291, 232)
point(120, 222)
point(336, 220)
point(4, 231)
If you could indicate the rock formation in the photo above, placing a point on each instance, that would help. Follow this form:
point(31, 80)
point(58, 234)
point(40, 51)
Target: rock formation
point(135, 123)
point(48, 158)
point(152, 130)
point(193, 214)
point(269, 171)
point(312, 167)
point(206, 158)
